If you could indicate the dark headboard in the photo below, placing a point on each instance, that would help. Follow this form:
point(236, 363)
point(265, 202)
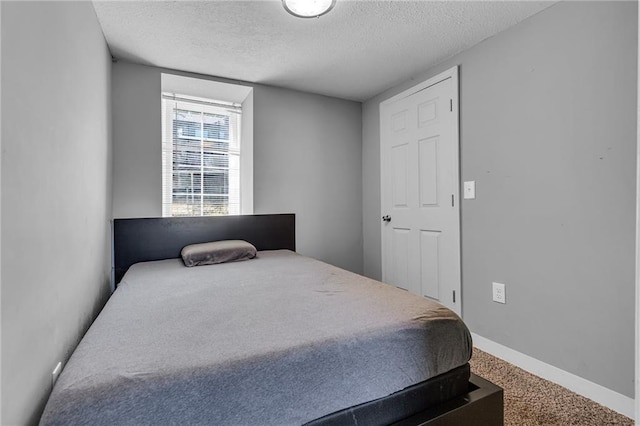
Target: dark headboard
point(143, 240)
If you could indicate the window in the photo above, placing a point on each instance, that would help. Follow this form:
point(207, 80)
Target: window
point(200, 156)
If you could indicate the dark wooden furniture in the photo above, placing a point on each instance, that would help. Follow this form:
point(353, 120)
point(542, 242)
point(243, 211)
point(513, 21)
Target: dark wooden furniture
point(472, 401)
point(144, 240)
point(481, 405)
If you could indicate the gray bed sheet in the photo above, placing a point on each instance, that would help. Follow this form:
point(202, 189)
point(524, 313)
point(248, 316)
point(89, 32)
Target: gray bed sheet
point(282, 339)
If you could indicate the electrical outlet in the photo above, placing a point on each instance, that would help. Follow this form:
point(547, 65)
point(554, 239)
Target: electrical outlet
point(499, 293)
point(56, 373)
point(470, 190)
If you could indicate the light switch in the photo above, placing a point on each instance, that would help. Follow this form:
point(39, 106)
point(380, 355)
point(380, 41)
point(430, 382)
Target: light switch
point(470, 190)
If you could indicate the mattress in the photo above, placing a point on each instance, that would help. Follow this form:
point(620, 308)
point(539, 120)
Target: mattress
point(282, 339)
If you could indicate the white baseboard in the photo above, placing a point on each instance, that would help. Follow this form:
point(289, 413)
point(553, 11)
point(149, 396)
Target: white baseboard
point(603, 396)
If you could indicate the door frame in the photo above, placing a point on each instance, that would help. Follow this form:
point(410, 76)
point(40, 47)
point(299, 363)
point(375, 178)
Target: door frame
point(451, 73)
point(637, 343)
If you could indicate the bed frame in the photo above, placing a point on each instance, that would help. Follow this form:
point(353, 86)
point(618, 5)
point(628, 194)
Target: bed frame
point(144, 240)
point(457, 402)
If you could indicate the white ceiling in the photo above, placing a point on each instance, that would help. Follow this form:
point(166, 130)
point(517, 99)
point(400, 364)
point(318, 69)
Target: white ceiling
point(358, 50)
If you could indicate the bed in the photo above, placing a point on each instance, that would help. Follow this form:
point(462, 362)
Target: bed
point(281, 339)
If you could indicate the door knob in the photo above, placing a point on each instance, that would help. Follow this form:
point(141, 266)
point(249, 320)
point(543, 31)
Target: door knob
point(386, 218)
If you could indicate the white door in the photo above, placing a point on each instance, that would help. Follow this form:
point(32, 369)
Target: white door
point(420, 187)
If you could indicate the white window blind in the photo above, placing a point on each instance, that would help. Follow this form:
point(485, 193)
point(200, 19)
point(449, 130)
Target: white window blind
point(200, 156)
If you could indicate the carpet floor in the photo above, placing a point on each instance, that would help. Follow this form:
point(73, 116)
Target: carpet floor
point(531, 400)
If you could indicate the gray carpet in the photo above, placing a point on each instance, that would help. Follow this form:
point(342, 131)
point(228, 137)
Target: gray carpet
point(530, 400)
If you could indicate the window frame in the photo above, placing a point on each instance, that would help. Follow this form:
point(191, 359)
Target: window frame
point(171, 103)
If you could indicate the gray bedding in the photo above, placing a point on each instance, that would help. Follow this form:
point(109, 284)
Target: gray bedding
point(278, 340)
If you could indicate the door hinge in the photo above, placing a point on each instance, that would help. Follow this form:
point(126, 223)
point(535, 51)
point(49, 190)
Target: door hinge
point(451, 105)
point(454, 296)
point(452, 204)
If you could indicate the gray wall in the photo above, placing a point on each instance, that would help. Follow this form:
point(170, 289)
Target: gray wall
point(548, 132)
point(56, 192)
point(137, 141)
point(307, 160)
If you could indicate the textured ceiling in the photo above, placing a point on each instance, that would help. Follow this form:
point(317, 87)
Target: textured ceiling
point(358, 50)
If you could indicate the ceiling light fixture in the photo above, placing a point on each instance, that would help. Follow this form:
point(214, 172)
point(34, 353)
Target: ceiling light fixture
point(308, 8)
